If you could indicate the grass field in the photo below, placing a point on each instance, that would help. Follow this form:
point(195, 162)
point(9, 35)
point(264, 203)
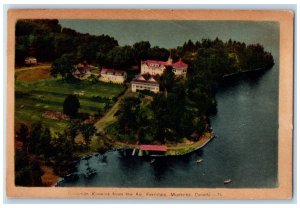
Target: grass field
point(37, 93)
point(33, 73)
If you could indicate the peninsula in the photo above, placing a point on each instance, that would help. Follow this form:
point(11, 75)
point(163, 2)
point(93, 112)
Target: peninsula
point(77, 94)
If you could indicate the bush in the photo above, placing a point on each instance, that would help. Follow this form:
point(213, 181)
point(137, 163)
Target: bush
point(93, 79)
point(71, 105)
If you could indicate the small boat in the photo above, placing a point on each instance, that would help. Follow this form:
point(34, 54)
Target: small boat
point(227, 181)
point(152, 161)
point(199, 160)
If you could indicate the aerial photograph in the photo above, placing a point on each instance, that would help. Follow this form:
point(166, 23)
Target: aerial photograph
point(146, 103)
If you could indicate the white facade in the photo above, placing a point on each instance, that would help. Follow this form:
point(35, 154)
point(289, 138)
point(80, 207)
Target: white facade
point(140, 83)
point(180, 71)
point(152, 67)
point(144, 86)
point(111, 75)
point(30, 61)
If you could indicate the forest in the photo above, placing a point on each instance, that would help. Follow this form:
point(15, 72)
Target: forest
point(47, 40)
point(180, 110)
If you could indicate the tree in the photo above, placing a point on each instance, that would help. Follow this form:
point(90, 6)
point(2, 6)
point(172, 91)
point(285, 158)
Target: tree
point(26, 173)
point(34, 139)
point(87, 130)
point(39, 142)
point(63, 66)
point(62, 151)
point(71, 105)
point(166, 80)
point(141, 51)
point(129, 114)
point(73, 129)
point(23, 133)
point(107, 105)
point(120, 57)
point(157, 53)
point(44, 146)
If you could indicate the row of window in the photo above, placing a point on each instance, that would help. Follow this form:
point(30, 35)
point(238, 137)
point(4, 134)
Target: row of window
point(110, 74)
point(184, 71)
point(145, 87)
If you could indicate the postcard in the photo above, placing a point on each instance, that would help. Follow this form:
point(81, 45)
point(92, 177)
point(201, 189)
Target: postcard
point(183, 104)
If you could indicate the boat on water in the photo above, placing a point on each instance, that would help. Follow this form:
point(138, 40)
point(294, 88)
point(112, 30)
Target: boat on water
point(227, 181)
point(152, 161)
point(199, 160)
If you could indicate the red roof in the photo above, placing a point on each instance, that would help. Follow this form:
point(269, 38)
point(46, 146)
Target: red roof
point(143, 78)
point(162, 148)
point(164, 63)
point(112, 71)
point(180, 64)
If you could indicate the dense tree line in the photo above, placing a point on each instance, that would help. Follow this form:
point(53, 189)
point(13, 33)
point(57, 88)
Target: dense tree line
point(39, 147)
point(179, 110)
point(183, 105)
point(236, 55)
point(48, 41)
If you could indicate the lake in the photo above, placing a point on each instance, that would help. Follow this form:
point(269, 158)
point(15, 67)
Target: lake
point(246, 123)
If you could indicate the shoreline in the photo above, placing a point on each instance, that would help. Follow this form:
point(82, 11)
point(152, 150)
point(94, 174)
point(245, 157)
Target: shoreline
point(261, 69)
point(173, 150)
point(194, 146)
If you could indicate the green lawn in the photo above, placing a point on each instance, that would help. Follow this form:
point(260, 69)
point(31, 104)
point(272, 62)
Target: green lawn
point(32, 99)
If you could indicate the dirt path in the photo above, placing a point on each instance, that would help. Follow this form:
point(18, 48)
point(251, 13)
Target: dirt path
point(108, 118)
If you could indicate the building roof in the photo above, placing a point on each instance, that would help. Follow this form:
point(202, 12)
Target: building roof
point(145, 78)
point(30, 58)
point(180, 64)
point(113, 71)
point(164, 63)
point(152, 147)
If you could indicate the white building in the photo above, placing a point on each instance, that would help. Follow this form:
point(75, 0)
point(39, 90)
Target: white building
point(180, 68)
point(142, 83)
point(112, 75)
point(154, 67)
point(30, 61)
point(82, 71)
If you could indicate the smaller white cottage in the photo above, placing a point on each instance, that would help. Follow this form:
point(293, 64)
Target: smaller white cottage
point(82, 71)
point(141, 82)
point(180, 68)
point(113, 75)
point(30, 61)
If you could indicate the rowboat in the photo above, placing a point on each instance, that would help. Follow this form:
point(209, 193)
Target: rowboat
point(199, 160)
point(227, 181)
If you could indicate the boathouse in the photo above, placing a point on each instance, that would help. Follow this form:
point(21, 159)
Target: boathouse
point(150, 149)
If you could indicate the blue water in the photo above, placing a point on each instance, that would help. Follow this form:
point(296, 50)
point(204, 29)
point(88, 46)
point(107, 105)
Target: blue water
point(246, 123)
